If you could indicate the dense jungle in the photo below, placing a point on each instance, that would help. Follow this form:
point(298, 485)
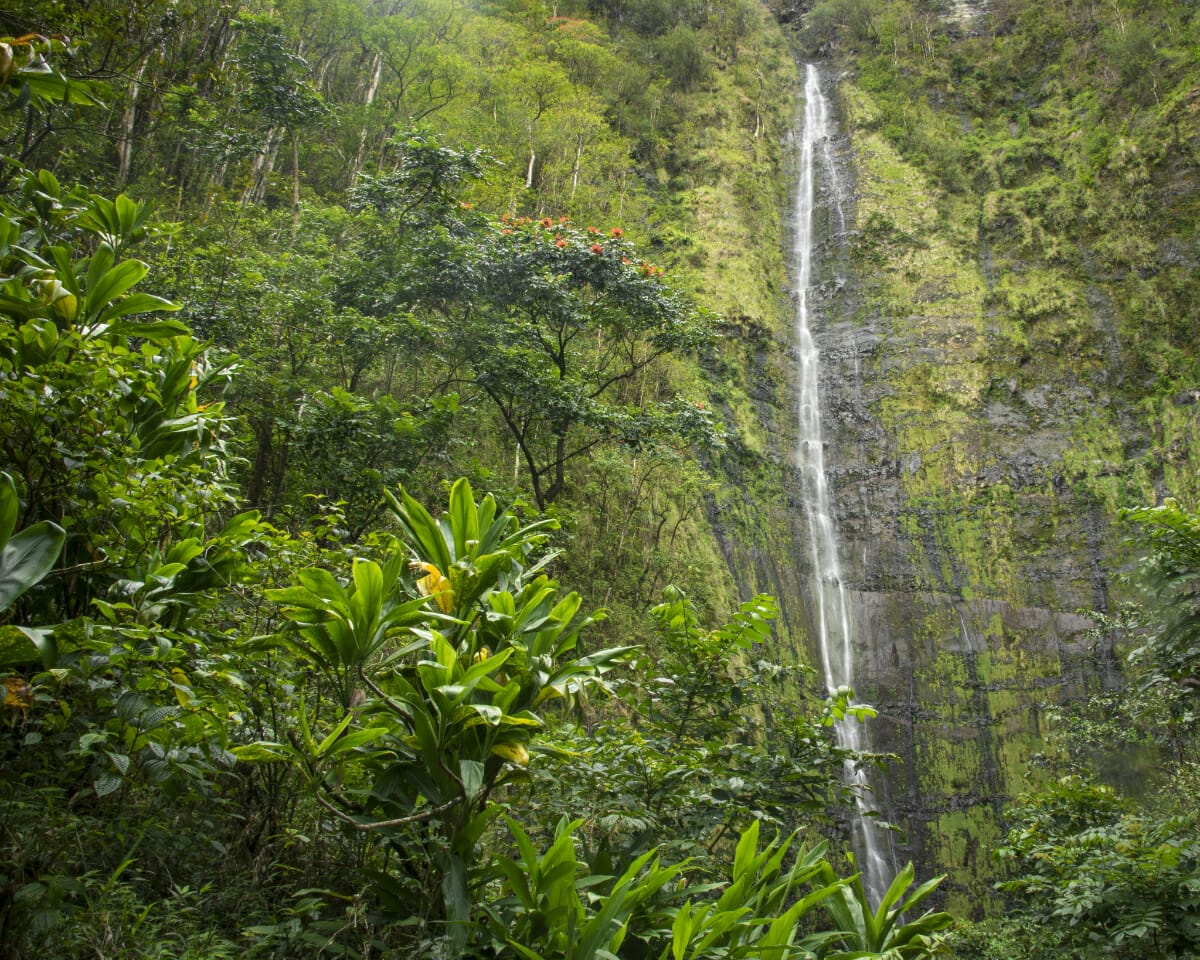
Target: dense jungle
point(404, 545)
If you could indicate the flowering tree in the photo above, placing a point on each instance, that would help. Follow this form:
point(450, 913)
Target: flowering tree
point(560, 328)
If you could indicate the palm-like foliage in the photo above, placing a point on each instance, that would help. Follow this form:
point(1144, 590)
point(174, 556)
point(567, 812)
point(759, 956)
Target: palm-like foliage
point(550, 911)
point(436, 676)
point(758, 914)
point(882, 932)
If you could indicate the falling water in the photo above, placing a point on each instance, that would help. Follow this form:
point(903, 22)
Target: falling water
point(832, 606)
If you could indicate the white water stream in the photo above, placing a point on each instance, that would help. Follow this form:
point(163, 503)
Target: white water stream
point(831, 605)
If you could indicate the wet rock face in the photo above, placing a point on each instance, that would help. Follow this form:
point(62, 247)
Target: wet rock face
point(975, 458)
point(965, 584)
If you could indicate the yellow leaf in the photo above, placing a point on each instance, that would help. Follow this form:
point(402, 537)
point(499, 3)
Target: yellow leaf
point(514, 752)
point(181, 683)
point(433, 584)
point(18, 695)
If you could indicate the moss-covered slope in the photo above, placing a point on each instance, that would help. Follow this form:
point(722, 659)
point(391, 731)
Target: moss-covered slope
point(1009, 358)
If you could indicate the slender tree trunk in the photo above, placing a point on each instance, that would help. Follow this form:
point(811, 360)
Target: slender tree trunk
point(295, 181)
point(575, 167)
point(532, 159)
point(128, 120)
point(264, 454)
point(264, 164)
point(360, 154)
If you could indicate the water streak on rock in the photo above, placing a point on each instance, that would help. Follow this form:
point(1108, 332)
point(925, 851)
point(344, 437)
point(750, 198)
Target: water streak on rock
point(831, 605)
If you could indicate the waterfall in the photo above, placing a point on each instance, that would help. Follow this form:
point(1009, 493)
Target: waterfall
point(831, 606)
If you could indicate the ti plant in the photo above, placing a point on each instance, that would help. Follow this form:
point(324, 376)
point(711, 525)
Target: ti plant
point(437, 661)
point(26, 557)
point(758, 914)
point(883, 932)
point(551, 910)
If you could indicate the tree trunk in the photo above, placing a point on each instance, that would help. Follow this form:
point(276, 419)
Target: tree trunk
point(575, 167)
point(532, 158)
point(264, 164)
point(295, 181)
point(360, 154)
point(128, 119)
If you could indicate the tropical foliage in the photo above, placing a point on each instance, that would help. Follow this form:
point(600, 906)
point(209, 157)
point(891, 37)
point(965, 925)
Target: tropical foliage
point(357, 591)
point(259, 699)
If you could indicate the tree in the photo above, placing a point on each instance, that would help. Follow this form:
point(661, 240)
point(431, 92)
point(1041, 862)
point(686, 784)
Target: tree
point(1171, 570)
point(556, 327)
point(100, 417)
point(282, 94)
point(32, 89)
point(1100, 878)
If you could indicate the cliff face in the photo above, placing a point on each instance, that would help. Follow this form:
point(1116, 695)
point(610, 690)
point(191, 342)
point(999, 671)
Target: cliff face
point(1005, 364)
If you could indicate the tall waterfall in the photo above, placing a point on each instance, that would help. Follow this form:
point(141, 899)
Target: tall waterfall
point(831, 606)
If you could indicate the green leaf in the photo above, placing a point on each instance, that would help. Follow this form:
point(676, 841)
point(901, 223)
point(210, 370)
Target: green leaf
point(120, 761)
point(354, 739)
point(9, 507)
point(107, 783)
point(458, 904)
point(471, 772)
point(26, 559)
point(19, 645)
point(464, 519)
point(144, 303)
point(334, 734)
point(423, 532)
point(112, 284)
point(264, 751)
point(747, 849)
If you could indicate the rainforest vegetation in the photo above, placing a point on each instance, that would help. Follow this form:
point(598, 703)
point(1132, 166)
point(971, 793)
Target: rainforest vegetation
point(388, 397)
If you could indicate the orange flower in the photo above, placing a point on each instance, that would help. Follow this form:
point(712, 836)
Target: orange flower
point(596, 248)
point(626, 261)
point(616, 232)
point(560, 243)
point(505, 232)
point(547, 223)
point(592, 230)
point(465, 205)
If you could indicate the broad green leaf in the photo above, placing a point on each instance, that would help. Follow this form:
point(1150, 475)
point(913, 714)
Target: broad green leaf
point(324, 587)
point(26, 559)
point(55, 87)
point(423, 532)
point(900, 883)
point(112, 284)
point(147, 330)
point(745, 852)
point(9, 507)
point(21, 644)
point(353, 739)
point(464, 518)
point(458, 904)
point(471, 772)
point(107, 783)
